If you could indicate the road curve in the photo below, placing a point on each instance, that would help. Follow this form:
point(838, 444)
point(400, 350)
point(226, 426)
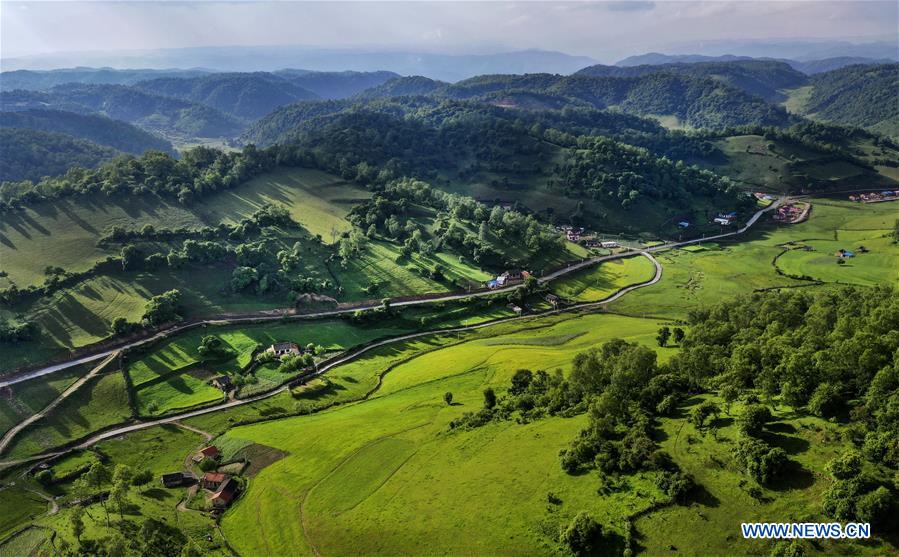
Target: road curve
point(94, 439)
point(332, 313)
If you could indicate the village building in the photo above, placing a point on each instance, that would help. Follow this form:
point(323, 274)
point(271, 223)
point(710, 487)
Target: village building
point(573, 236)
point(683, 224)
point(285, 349)
point(226, 493)
point(843, 253)
point(516, 309)
point(591, 243)
point(553, 300)
point(222, 382)
point(206, 452)
point(723, 221)
point(609, 244)
point(213, 480)
point(176, 479)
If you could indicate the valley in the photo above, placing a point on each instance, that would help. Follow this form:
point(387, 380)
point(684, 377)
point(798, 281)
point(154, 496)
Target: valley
point(619, 310)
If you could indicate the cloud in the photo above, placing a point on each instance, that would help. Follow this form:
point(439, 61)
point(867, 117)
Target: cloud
point(629, 6)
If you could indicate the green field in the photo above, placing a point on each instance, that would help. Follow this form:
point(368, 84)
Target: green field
point(101, 402)
point(600, 282)
point(29, 397)
point(317, 200)
point(18, 506)
point(391, 454)
point(692, 278)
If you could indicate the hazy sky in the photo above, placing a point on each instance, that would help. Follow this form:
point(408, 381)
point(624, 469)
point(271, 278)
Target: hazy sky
point(600, 29)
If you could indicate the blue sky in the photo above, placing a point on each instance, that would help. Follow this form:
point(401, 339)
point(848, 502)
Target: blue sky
point(603, 30)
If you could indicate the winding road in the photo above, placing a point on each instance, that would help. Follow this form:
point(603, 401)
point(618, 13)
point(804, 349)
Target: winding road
point(352, 355)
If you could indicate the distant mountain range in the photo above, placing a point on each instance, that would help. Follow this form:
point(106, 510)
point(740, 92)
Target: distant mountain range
point(808, 67)
point(446, 67)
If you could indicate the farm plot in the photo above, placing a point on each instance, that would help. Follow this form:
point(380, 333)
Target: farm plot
point(601, 281)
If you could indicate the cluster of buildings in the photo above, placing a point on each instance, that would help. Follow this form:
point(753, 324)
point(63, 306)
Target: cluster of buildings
point(508, 278)
point(874, 197)
point(279, 349)
point(790, 212)
point(725, 219)
point(223, 487)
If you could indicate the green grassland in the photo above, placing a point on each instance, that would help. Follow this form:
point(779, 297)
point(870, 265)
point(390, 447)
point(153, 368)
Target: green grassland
point(392, 453)
point(27, 543)
point(758, 163)
point(317, 200)
point(712, 523)
point(101, 402)
point(18, 506)
point(601, 281)
point(25, 398)
point(64, 232)
point(699, 278)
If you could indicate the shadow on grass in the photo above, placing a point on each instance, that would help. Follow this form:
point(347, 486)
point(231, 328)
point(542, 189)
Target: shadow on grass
point(156, 493)
point(792, 445)
point(704, 497)
point(794, 476)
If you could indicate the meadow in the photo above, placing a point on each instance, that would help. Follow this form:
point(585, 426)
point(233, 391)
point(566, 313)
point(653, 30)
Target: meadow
point(100, 402)
point(29, 397)
point(766, 258)
point(601, 281)
point(393, 453)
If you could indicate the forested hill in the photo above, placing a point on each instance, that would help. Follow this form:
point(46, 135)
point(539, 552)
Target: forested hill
point(242, 95)
point(92, 127)
point(336, 85)
point(164, 115)
point(694, 102)
point(861, 95)
point(43, 80)
point(763, 78)
point(27, 154)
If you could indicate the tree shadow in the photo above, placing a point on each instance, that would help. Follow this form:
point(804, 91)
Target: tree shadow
point(704, 497)
point(792, 445)
point(794, 476)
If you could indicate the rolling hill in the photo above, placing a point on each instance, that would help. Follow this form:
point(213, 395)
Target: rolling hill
point(242, 95)
point(27, 154)
point(42, 80)
point(859, 95)
point(763, 78)
point(98, 129)
point(172, 118)
point(688, 101)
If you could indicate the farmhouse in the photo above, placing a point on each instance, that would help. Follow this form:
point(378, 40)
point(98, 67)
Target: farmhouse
point(723, 221)
point(683, 224)
point(285, 349)
point(516, 309)
point(207, 452)
point(573, 235)
point(553, 300)
point(609, 244)
point(222, 382)
point(213, 480)
point(843, 253)
point(226, 493)
point(176, 479)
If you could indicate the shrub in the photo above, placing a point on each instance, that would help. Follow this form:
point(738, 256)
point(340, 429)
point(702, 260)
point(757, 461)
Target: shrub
point(583, 534)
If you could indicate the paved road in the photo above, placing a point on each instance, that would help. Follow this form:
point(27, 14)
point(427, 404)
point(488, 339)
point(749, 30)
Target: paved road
point(450, 297)
point(331, 364)
point(9, 435)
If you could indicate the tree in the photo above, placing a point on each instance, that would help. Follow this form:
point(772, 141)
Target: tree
point(663, 336)
point(875, 507)
point(119, 496)
point(729, 393)
point(762, 462)
point(583, 534)
point(131, 257)
point(846, 466)
point(448, 398)
point(76, 519)
point(520, 381)
point(142, 478)
point(162, 308)
point(679, 335)
point(753, 419)
point(489, 398)
point(699, 414)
